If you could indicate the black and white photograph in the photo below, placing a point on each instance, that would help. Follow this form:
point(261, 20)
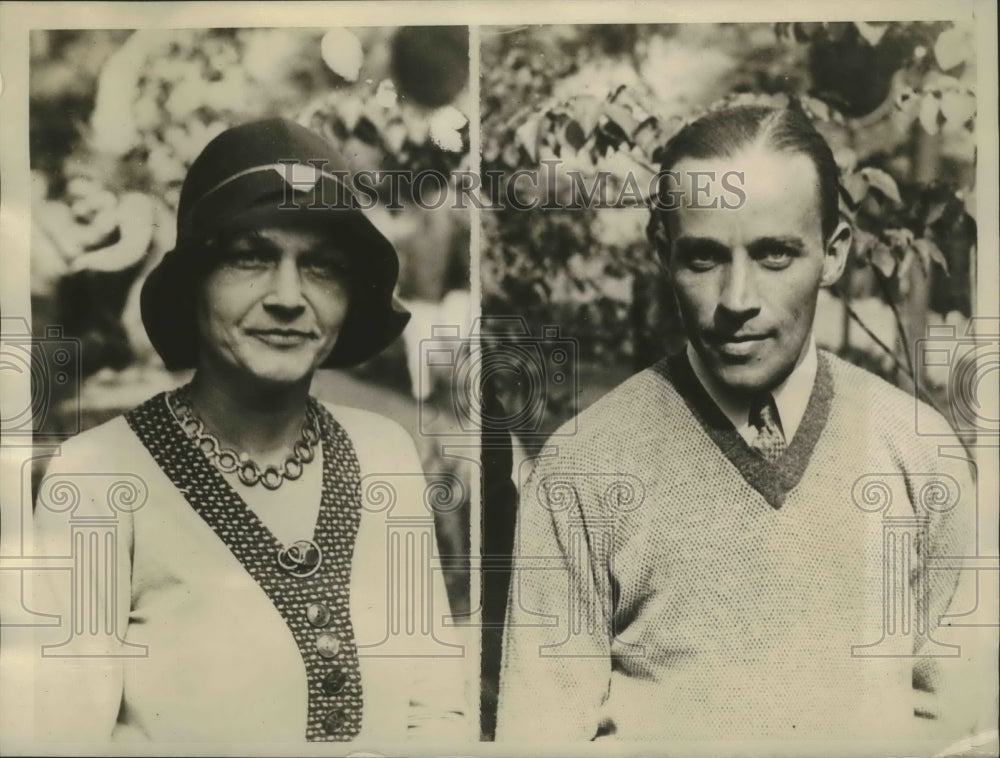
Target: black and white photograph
point(737, 486)
point(256, 548)
point(502, 379)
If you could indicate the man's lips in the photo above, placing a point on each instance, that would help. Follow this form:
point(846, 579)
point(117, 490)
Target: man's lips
point(724, 339)
point(735, 345)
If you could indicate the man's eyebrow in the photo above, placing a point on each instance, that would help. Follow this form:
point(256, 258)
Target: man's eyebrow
point(782, 242)
point(687, 245)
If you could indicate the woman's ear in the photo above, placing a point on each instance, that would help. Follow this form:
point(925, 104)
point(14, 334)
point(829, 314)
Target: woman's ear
point(838, 247)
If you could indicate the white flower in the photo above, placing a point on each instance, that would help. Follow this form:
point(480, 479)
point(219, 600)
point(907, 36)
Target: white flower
point(444, 128)
point(385, 95)
point(341, 51)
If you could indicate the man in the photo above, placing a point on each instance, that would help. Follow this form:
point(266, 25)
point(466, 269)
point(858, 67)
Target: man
point(704, 559)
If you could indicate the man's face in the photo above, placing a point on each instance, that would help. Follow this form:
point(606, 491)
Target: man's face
point(747, 279)
point(273, 306)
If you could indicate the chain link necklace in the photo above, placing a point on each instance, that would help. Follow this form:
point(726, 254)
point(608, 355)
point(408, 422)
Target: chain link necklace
point(229, 461)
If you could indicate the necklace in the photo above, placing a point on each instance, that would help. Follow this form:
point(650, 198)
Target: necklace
point(228, 460)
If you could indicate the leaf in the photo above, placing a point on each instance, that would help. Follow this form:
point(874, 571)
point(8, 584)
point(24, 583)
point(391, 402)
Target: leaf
point(621, 117)
point(884, 183)
point(881, 257)
point(871, 33)
point(575, 135)
point(935, 213)
point(951, 48)
point(930, 107)
point(856, 187)
point(930, 253)
point(526, 135)
point(958, 107)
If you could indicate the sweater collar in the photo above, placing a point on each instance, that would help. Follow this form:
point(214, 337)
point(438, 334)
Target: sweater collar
point(772, 480)
point(791, 396)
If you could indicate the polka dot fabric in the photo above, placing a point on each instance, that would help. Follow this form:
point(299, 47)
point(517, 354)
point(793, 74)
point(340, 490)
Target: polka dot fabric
point(315, 607)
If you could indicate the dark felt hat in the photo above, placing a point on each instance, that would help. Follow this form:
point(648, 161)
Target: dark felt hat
point(271, 172)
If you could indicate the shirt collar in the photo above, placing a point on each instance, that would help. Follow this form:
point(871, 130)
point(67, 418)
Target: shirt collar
point(791, 396)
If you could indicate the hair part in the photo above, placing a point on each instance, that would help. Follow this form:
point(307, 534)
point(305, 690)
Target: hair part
point(724, 133)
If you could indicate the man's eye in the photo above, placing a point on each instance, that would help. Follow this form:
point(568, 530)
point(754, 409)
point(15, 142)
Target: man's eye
point(701, 261)
point(776, 259)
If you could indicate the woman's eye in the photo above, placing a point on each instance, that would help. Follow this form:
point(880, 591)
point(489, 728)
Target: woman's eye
point(247, 260)
point(323, 267)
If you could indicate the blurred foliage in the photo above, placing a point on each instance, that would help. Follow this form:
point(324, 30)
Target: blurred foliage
point(895, 101)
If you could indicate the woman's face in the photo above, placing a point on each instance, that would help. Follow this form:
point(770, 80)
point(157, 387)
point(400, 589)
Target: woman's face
point(272, 308)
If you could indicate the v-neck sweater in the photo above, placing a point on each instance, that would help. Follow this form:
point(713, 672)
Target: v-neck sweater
point(213, 659)
point(670, 583)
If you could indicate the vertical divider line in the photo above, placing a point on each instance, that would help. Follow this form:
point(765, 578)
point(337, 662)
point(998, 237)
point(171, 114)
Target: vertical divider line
point(473, 664)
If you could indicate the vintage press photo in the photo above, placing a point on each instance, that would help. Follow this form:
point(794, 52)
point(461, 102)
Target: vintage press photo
point(729, 273)
point(248, 526)
point(498, 379)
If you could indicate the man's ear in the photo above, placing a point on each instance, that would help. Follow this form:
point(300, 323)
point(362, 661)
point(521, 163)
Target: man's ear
point(838, 247)
point(659, 237)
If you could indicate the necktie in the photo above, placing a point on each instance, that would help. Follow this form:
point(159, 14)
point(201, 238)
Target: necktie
point(770, 441)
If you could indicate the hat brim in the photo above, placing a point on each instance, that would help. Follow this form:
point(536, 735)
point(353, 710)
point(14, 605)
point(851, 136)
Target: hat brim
point(374, 319)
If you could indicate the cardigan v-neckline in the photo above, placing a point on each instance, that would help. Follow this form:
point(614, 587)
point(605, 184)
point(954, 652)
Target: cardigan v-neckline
point(326, 641)
point(772, 480)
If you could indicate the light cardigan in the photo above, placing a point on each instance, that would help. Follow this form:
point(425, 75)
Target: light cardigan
point(669, 584)
point(220, 663)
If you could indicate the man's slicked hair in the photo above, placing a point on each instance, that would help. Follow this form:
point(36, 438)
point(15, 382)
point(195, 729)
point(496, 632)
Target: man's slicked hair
point(724, 133)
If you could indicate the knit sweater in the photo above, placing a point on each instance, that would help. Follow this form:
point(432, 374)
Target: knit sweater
point(671, 584)
point(207, 656)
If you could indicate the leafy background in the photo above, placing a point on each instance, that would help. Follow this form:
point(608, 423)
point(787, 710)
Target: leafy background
point(896, 101)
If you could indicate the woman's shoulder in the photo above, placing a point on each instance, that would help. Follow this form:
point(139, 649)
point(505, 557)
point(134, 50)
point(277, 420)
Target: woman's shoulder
point(364, 421)
point(372, 433)
point(107, 442)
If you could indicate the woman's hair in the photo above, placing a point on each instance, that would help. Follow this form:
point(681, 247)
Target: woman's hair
point(723, 133)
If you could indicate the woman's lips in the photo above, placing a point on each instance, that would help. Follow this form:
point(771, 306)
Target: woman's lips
point(282, 337)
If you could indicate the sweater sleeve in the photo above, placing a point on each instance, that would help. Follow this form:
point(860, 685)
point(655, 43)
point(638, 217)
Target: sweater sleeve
point(943, 488)
point(556, 665)
point(78, 672)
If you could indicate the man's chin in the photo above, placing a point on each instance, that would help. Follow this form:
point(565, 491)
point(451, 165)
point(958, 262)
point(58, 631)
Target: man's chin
point(746, 378)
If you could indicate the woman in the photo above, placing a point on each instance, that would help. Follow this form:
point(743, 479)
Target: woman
point(247, 593)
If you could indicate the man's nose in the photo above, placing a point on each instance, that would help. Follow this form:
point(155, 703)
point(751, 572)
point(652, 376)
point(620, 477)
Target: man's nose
point(285, 286)
point(739, 295)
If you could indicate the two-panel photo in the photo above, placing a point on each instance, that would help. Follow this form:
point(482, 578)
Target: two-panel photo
point(494, 382)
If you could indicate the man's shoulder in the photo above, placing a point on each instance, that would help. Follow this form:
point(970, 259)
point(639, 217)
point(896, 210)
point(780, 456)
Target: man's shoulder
point(642, 400)
point(888, 408)
point(856, 384)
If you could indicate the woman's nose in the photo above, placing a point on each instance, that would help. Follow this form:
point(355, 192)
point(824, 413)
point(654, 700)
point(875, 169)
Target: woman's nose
point(285, 286)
